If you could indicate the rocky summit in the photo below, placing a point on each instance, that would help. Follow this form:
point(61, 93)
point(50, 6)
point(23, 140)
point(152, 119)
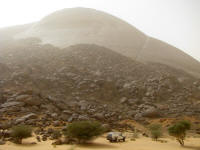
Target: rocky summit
point(73, 26)
point(43, 85)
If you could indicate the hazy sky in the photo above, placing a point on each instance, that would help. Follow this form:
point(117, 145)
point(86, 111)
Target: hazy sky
point(174, 21)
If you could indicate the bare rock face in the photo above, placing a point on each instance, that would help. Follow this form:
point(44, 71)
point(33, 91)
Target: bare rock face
point(88, 26)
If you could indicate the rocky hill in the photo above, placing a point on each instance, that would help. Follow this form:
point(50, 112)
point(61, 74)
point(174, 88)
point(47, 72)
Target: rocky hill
point(83, 25)
point(42, 85)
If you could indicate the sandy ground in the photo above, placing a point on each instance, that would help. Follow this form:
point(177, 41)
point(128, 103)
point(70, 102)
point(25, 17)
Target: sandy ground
point(103, 144)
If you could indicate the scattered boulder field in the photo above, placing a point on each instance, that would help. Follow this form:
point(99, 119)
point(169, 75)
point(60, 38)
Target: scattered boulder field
point(43, 85)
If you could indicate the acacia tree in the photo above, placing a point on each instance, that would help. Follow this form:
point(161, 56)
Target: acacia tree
point(178, 130)
point(83, 131)
point(156, 131)
point(20, 132)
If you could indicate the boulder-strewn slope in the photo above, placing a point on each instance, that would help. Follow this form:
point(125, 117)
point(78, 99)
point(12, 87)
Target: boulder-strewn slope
point(45, 85)
point(81, 25)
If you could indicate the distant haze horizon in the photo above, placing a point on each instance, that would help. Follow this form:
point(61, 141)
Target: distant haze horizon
point(175, 22)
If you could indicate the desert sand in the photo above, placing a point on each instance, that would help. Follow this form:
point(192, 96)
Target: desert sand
point(102, 144)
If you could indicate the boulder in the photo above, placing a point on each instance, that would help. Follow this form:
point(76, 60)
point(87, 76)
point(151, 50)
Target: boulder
point(22, 97)
point(57, 142)
point(31, 122)
point(99, 116)
point(138, 117)
point(44, 138)
point(131, 113)
point(29, 100)
point(33, 101)
point(67, 112)
point(83, 105)
point(26, 117)
point(38, 138)
point(56, 123)
point(151, 113)
point(64, 117)
point(123, 100)
point(83, 117)
point(74, 116)
point(50, 130)
point(54, 116)
point(14, 103)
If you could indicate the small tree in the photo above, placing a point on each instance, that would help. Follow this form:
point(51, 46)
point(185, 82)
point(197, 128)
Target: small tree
point(178, 130)
point(156, 131)
point(84, 131)
point(20, 132)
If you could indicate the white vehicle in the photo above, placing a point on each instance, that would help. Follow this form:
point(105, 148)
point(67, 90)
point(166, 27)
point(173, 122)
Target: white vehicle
point(116, 137)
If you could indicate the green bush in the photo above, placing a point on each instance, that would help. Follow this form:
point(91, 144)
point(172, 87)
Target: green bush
point(156, 131)
point(84, 131)
point(20, 132)
point(178, 130)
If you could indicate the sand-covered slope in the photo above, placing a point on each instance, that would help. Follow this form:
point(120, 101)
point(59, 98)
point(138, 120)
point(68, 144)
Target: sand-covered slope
point(103, 144)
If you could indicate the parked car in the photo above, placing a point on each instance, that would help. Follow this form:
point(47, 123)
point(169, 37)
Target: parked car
point(116, 137)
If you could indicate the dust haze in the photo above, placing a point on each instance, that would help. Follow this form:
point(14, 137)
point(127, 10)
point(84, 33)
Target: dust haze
point(82, 78)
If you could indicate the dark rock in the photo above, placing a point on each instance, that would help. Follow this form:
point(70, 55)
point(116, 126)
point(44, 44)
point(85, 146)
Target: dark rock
point(64, 128)
point(56, 135)
point(38, 138)
point(145, 134)
point(56, 123)
point(33, 143)
point(64, 117)
point(50, 130)
point(57, 142)
point(44, 137)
